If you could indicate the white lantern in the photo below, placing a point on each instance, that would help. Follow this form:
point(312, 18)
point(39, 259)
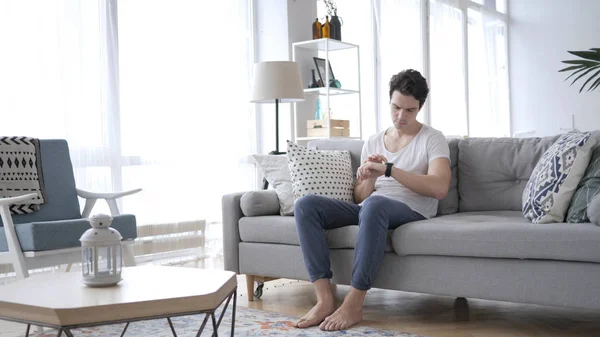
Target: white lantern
point(102, 253)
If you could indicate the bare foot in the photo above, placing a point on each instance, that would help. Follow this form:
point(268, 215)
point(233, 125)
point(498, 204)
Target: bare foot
point(317, 314)
point(345, 317)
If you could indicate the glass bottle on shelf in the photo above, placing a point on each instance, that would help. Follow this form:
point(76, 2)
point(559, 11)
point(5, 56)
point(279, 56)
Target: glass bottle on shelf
point(326, 29)
point(318, 111)
point(336, 27)
point(316, 29)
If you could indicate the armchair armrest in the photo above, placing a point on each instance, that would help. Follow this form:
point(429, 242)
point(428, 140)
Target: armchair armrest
point(14, 200)
point(110, 197)
point(105, 195)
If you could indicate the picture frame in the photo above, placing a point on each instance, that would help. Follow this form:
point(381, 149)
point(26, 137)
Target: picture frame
point(320, 65)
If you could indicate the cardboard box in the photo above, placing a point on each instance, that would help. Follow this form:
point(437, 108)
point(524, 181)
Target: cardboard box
point(320, 128)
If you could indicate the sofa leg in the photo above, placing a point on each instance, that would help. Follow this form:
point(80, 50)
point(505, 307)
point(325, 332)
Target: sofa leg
point(250, 287)
point(461, 309)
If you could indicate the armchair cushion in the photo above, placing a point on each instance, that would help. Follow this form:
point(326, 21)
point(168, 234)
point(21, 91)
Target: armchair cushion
point(260, 202)
point(49, 235)
point(61, 197)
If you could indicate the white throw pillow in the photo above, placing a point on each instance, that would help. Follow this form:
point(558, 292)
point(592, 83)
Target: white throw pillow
point(555, 177)
point(275, 170)
point(322, 172)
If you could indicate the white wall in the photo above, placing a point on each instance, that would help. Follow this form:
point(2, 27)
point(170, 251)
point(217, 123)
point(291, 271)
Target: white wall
point(540, 33)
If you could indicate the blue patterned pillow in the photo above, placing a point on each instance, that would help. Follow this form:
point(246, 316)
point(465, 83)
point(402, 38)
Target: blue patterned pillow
point(555, 177)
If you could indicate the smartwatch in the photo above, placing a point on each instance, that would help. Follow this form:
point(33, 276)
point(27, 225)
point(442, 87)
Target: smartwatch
point(388, 169)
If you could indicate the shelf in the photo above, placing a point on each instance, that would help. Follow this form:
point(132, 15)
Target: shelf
point(332, 91)
point(321, 44)
point(314, 138)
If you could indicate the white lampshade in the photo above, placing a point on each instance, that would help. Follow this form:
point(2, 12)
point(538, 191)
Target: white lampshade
point(276, 80)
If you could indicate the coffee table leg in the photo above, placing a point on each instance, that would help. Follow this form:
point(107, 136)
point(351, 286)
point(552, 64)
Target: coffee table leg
point(224, 309)
point(68, 333)
point(125, 329)
point(214, 321)
point(202, 326)
point(233, 312)
point(59, 333)
point(171, 325)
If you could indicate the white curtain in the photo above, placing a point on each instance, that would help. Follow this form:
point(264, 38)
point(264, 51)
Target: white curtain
point(488, 76)
point(447, 79)
point(400, 46)
point(148, 93)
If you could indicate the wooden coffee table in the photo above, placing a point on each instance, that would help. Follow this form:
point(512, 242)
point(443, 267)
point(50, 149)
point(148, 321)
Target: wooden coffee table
point(62, 301)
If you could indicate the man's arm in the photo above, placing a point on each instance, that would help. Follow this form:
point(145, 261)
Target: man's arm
point(434, 184)
point(363, 189)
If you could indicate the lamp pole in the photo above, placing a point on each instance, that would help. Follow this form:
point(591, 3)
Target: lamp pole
point(276, 152)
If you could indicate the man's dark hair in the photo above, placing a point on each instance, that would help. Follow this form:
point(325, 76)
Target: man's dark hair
point(410, 82)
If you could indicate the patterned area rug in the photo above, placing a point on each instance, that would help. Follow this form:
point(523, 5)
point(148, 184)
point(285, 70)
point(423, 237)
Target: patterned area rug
point(248, 322)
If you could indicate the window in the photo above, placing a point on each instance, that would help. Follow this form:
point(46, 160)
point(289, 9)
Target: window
point(165, 109)
point(460, 46)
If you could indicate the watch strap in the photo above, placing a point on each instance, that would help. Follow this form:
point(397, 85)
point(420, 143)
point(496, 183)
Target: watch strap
point(388, 169)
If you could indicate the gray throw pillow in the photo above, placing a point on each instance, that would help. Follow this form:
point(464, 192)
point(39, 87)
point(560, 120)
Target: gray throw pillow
point(593, 210)
point(589, 186)
point(275, 170)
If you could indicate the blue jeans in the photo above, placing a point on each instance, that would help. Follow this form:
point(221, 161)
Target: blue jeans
point(315, 213)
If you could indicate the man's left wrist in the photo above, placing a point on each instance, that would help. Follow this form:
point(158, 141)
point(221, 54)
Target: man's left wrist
point(388, 169)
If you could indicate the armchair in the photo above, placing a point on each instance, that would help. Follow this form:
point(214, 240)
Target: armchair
point(50, 236)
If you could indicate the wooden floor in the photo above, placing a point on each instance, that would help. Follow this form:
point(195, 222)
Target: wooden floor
point(428, 315)
point(437, 316)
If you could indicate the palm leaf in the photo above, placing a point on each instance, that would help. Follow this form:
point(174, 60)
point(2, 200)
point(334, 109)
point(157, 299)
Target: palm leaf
point(585, 73)
point(588, 55)
point(578, 71)
point(571, 68)
point(595, 85)
point(588, 62)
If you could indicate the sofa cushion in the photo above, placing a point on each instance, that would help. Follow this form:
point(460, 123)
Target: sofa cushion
point(260, 202)
point(593, 210)
point(49, 235)
point(353, 145)
point(555, 177)
point(282, 230)
point(498, 234)
point(321, 172)
point(588, 187)
point(275, 169)
point(493, 172)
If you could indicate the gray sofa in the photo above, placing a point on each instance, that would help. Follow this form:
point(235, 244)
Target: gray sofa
point(478, 246)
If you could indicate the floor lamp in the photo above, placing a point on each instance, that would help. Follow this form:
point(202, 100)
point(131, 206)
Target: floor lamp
point(276, 82)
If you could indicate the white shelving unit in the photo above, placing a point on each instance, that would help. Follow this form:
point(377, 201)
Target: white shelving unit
point(303, 53)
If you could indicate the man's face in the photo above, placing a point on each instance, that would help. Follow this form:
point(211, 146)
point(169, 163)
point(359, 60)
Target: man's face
point(404, 110)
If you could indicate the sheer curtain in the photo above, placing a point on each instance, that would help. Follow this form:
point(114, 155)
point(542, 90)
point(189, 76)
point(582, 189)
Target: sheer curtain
point(149, 94)
point(447, 79)
point(400, 46)
point(184, 72)
point(488, 76)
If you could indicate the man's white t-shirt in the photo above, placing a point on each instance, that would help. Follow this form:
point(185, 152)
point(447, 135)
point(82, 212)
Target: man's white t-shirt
point(427, 145)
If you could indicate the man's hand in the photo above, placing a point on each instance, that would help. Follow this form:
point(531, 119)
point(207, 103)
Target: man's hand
point(376, 158)
point(371, 170)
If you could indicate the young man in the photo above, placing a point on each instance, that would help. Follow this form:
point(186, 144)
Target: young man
point(405, 171)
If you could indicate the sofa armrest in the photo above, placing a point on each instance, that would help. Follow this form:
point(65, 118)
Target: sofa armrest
point(232, 212)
